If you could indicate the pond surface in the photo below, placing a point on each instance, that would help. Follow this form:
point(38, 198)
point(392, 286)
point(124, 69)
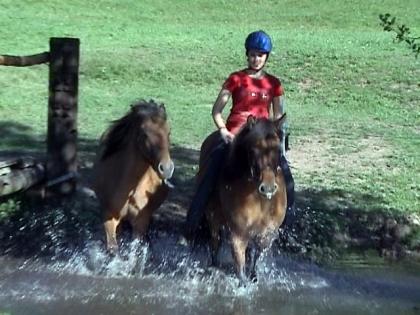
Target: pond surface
point(170, 279)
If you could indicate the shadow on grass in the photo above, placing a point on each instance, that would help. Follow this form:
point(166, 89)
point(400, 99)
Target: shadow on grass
point(18, 139)
point(331, 221)
point(323, 219)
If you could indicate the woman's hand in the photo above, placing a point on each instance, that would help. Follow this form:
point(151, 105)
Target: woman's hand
point(227, 136)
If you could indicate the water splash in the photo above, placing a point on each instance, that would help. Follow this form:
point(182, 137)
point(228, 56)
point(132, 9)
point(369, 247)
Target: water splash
point(162, 277)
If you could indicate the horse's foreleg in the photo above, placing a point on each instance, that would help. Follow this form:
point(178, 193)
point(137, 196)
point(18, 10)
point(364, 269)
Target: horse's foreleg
point(141, 223)
point(214, 226)
point(214, 243)
point(143, 250)
point(142, 207)
point(252, 257)
point(110, 226)
point(239, 245)
point(262, 244)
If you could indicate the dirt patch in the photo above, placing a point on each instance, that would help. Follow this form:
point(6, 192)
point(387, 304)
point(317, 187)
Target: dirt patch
point(402, 86)
point(307, 84)
point(327, 153)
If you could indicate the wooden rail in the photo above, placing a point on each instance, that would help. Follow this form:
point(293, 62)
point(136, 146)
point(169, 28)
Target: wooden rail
point(24, 61)
point(63, 59)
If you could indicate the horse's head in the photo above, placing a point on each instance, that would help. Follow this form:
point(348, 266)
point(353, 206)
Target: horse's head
point(153, 137)
point(258, 151)
point(144, 129)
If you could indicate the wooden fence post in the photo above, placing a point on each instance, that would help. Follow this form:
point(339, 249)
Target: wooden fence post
point(62, 114)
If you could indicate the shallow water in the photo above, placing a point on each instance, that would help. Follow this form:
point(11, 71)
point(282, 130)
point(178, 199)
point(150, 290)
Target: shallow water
point(170, 279)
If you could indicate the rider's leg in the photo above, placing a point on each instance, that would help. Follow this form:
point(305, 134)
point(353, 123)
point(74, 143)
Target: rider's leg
point(290, 183)
point(205, 187)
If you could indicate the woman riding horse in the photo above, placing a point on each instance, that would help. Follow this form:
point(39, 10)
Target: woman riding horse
point(253, 92)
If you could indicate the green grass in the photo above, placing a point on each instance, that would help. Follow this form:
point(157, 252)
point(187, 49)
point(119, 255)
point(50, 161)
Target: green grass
point(344, 77)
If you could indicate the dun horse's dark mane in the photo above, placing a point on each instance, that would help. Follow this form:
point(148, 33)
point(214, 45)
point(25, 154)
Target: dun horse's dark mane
point(123, 130)
point(237, 163)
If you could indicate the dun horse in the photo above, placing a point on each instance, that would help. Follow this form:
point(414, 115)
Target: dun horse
point(250, 196)
point(132, 169)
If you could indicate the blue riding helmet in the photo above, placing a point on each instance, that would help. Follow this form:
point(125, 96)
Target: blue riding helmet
point(259, 41)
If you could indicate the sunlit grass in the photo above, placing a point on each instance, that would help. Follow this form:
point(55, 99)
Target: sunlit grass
point(344, 77)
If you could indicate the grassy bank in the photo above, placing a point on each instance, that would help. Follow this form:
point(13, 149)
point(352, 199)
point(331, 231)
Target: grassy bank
point(353, 95)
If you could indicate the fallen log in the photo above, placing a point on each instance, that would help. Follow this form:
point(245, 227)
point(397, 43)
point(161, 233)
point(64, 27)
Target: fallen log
point(16, 177)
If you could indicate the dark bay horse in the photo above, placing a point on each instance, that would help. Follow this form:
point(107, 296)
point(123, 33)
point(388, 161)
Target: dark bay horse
point(132, 168)
point(250, 197)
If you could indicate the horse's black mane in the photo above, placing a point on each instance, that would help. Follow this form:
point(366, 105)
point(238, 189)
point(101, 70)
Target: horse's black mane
point(124, 129)
point(237, 163)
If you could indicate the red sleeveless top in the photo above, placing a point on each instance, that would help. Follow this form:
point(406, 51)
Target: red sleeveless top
point(250, 97)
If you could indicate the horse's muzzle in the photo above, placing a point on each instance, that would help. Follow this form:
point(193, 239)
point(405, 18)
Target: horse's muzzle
point(166, 170)
point(268, 190)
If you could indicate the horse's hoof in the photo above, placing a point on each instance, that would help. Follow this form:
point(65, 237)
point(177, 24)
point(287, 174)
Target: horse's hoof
point(253, 277)
point(188, 234)
point(214, 263)
point(182, 241)
point(243, 281)
point(112, 251)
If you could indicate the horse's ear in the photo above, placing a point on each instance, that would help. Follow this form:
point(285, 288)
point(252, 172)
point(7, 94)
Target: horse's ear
point(251, 120)
point(280, 121)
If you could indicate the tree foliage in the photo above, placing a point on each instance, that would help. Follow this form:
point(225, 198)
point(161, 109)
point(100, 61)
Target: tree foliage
point(390, 24)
